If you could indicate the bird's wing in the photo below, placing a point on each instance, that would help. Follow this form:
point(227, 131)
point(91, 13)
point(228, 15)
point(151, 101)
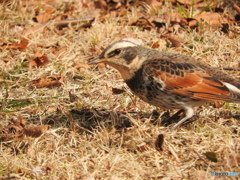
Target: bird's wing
point(184, 78)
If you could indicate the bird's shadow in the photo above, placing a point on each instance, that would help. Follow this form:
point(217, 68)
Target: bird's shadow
point(90, 119)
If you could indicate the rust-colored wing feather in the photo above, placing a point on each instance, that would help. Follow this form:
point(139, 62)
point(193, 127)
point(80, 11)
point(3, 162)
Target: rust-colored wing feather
point(187, 79)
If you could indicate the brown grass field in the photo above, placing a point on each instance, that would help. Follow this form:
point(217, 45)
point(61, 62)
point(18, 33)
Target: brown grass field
point(63, 119)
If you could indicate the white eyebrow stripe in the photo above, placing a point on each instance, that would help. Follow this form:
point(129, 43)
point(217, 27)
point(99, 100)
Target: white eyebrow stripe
point(123, 44)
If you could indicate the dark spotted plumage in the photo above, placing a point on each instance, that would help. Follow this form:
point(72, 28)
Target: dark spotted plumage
point(169, 80)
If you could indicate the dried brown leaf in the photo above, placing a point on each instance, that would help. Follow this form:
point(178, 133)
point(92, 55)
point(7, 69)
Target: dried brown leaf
point(117, 90)
point(213, 19)
point(101, 4)
point(217, 104)
point(13, 130)
point(192, 23)
point(36, 131)
point(17, 125)
point(20, 46)
point(145, 23)
point(155, 4)
point(155, 45)
point(207, 3)
point(175, 40)
point(80, 66)
point(50, 10)
point(52, 109)
point(189, 2)
point(39, 61)
point(44, 17)
point(39, 28)
point(159, 142)
point(55, 81)
point(61, 51)
point(211, 156)
point(101, 65)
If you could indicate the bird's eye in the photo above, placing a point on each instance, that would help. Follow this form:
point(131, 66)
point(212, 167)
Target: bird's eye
point(117, 51)
point(114, 53)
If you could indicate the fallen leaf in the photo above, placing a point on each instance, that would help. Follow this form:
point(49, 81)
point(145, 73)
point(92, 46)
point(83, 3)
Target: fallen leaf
point(159, 142)
point(101, 65)
point(175, 40)
point(44, 17)
point(155, 4)
point(207, 3)
point(20, 46)
point(36, 131)
point(189, 2)
point(55, 81)
point(101, 4)
point(13, 130)
point(212, 19)
point(39, 28)
point(17, 125)
point(80, 66)
point(217, 104)
point(145, 23)
point(39, 61)
point(117, 90)
point(52, 109)
point(61, 51)
point(155, 45)
point(50, 10)
point(192, 23)
point(211, 156)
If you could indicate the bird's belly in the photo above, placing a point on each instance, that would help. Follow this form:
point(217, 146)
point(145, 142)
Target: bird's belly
point(166, 99)
point(171, 101)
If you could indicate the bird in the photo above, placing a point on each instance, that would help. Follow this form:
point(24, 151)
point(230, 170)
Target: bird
point(169, 80)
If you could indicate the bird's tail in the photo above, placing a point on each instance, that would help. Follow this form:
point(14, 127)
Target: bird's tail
point(234, 92)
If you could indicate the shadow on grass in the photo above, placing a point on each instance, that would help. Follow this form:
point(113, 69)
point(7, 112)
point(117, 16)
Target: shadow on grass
point(91, 119)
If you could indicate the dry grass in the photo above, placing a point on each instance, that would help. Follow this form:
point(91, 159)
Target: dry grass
point(102, 135)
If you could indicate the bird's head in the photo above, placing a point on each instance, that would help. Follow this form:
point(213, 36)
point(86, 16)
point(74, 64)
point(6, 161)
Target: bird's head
point(123, 56)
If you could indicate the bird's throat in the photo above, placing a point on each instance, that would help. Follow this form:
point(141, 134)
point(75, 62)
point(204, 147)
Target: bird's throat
point(124, 71)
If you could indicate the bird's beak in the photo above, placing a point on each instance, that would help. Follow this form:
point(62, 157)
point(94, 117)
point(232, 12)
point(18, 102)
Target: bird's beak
point(98, 60)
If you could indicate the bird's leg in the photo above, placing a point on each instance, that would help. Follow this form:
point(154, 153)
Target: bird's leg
point(172, 118)
point(189, 112)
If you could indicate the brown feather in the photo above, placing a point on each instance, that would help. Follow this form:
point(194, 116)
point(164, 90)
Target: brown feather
point(194, 83)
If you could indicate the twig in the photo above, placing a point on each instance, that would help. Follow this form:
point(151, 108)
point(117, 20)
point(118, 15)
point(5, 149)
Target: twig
point(60, 22)
point(230, 68)
point(68, 21)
